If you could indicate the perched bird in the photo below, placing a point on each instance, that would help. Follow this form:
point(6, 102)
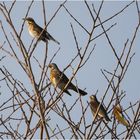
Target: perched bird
point(117, 111)
point(37, 32)
point(59, 79)
point(94, 104)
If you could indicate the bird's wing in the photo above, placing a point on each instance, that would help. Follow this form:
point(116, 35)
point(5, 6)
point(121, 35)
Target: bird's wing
point(60, 77)
point(102, 111)
point(94, 106)
point(118, 115)
point(45, 33)
point(63, 78)
point(38, 29)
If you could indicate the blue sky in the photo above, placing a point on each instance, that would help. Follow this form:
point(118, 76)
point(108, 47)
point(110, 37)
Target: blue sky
point(90, 76)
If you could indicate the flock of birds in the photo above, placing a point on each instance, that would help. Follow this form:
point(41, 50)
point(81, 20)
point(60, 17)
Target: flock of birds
point(60, 80)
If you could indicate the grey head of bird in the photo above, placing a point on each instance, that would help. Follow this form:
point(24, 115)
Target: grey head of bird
point(93, 98)
point(53, 66)
point(29, 20)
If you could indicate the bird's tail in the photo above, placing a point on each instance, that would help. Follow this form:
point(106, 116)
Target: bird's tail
point(83, 93)
point(66, 91)
point(51, 38)
point(78, 90)
point(55, 41)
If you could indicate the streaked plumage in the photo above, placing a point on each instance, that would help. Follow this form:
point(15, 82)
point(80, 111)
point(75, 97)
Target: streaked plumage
point(117, 111)
point(59, 79)
point(94, 104)
point(35, 31)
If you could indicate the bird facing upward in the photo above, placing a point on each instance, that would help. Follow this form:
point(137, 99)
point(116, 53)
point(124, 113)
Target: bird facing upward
point(60, 80)
point(37, 32)
point(94, 104)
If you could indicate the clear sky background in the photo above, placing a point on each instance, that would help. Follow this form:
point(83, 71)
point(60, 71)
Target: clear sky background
point(90, 76)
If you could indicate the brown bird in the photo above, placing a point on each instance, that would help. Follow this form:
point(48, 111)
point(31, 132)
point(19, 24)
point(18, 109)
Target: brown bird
point(37, 32)
point(59, 79)
point(117, 111)
point(94, 104)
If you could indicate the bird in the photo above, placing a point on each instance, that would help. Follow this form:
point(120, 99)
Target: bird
point(117, 111)
point(60, 80)
point(94, 104)
point(37, 32)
